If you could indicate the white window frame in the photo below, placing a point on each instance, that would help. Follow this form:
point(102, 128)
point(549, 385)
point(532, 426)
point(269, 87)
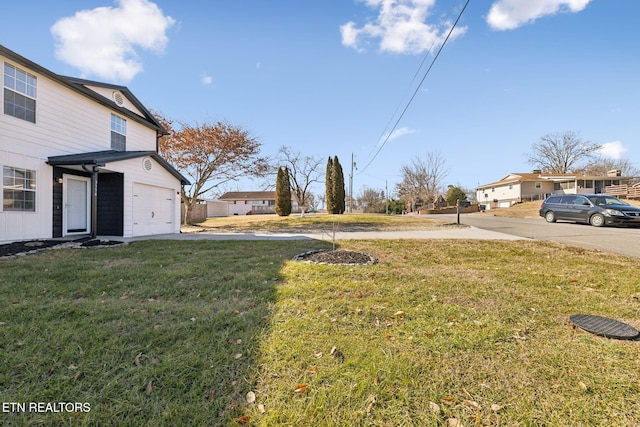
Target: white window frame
point(22, 84)
point(27, 185)
point(118, 128)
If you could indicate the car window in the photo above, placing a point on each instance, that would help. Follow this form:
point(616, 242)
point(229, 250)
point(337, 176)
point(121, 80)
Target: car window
point(553, 199)
point(581, 200)
point(607, 201)
point(569, 200)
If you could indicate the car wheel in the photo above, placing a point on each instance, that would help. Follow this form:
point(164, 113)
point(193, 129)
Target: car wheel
point(597, 220)
point(550, 216)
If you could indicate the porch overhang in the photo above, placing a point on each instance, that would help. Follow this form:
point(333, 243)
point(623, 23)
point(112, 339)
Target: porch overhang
point(91, 161)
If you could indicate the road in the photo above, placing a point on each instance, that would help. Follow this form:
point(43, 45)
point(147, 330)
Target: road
point(624, 241)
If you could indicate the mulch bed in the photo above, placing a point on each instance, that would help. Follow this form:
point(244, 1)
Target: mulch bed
point(31, 246)
point(336, 257)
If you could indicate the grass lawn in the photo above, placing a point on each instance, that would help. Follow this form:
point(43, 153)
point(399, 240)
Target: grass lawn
point(214, 333)
point(319, 222)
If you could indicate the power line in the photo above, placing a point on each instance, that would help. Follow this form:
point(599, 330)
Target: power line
point(413, 79)
point(418, 88)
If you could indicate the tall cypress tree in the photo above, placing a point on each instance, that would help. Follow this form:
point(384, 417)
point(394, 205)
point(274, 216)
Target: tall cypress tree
point(329, 186)
point(337, 181)
point(283, 193)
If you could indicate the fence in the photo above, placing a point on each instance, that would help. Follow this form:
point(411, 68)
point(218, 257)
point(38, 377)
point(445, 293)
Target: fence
point(623, 191)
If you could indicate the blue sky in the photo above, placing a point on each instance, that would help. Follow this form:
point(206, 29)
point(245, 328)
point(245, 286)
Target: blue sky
point(326, 77)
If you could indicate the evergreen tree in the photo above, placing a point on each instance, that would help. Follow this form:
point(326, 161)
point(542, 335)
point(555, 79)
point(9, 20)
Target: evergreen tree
point(329, 187)
point(337, 184)
point(283, 193)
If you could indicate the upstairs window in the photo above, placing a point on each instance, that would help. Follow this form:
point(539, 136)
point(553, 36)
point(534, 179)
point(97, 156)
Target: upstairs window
point(19, 189)
point(19, 93)
point(118, 133)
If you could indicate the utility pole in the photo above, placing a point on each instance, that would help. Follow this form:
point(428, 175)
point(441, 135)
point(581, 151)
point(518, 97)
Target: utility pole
point(353, 166)
point(386, 197)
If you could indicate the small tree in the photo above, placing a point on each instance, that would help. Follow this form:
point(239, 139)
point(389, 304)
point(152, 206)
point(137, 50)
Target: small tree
point(330, 201)
point(337, 187)
point(454, 194)
point(283, 193)
point(302, 171)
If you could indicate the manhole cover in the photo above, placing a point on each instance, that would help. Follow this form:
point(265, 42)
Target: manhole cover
point(604, 326)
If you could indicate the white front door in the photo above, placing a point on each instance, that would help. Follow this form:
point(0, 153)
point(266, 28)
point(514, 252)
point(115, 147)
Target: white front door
point(77, 205)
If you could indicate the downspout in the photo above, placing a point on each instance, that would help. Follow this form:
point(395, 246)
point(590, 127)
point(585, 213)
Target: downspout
point(94, 199)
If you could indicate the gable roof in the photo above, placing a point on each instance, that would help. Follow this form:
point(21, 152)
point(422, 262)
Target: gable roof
point(79, 86)
point(101, 158)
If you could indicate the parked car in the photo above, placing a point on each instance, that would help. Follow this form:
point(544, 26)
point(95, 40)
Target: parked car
point(594, 209)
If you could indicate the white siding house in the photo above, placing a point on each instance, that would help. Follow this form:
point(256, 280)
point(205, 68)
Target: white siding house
point(255, 202)
point(79, 158)
point(520, 187)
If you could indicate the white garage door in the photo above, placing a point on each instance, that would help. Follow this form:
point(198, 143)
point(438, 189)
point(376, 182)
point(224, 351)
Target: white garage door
point(153, 210)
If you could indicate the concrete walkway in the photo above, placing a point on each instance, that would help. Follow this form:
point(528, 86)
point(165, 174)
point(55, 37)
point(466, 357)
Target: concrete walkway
point(470, 233)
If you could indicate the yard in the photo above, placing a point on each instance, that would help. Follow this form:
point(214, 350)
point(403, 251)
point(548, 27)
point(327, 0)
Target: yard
point(234, 332)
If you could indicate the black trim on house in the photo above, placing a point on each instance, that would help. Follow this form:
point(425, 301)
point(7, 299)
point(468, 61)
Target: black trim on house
point(101, 158)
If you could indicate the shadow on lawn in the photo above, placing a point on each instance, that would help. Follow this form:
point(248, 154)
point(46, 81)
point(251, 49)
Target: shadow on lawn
point(151, 333)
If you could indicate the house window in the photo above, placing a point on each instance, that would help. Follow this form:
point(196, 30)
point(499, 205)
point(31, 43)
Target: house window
point(19, 189)
point(118, 133)
point(19, 94)
point(538, 185)
point(510, 186)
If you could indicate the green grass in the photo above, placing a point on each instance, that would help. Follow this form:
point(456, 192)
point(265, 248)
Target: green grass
point(177, 333)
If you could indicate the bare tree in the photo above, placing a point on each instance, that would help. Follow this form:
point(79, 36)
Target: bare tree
point(371, 200)
point(601, 165)
point(303, 172)
point(561, 152)
point(422, 180)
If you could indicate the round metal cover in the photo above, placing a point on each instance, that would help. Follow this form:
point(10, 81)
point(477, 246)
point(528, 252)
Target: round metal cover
point(604, 326)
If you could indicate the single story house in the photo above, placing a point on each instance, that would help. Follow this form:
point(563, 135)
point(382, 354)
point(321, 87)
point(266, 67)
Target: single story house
point(79, 158)
point(520, 187)
point(256, 202)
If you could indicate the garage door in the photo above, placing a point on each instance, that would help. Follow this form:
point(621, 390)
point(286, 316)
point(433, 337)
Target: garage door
point(153, 210)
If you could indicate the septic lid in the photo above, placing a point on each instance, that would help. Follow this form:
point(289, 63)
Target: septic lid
point(604, 326)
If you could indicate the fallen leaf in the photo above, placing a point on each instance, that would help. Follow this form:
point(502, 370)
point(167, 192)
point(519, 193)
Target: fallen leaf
point(251, 397)
point(317, 354)
point(300, 388)
point(473, 404)
point(77, 376)
point(372, 401)
point(434, 407)
point(72, 367)
point(582, 386)
point(495, 408)
point(261, 408)
point(237, 356)
point(399, 313)
point(448, 400)
point(149, 387)
point(243, 420)
point(312, 369)
point(453, 422)
point(136, 360)
point(155, 361)
point(212, 394)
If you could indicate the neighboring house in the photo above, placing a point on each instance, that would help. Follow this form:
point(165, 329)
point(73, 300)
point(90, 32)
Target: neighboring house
point(520, 187)
point(79, 158)
point(256, 202)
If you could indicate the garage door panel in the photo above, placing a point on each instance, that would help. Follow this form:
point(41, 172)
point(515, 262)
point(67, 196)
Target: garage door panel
point(153, 210)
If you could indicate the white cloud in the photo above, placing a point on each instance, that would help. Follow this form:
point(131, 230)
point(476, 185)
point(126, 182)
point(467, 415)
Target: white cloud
point(511, 14)
point(207, 80)
point(398, 133)
point(104, 41)
point(400, 27)
point(613, 149)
